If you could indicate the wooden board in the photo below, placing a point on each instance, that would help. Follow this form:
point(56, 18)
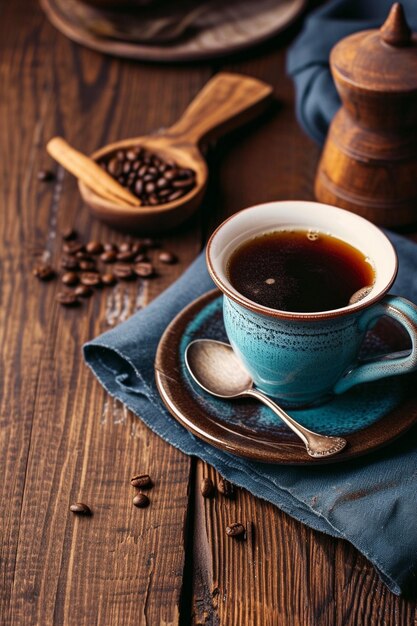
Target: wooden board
point(62, 438)
point(225, 28)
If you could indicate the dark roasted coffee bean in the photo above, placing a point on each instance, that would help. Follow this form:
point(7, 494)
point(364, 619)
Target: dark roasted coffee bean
point(109, 256)
point(45, 175)
point(67, 298)
point(127, 166)
point(141, 500)
point(149, 178)
point(110, 247)
point(141, 481)
point(80, 508)
point(162, 183)
point(143, 269)
point(121, 180)
point(150, 243)
point(152, 170)
point(83, 256)
point(163, 193)
point(125, 247)
point(150, 187)
point(171, 174)
point(140, 257)
point(120, 155)
point(94, 247)
point(175, 195)
point(226, 488)
point(138, 247)
point(153, 200)
point(131, 155)
point(114, 167)
point(235, 530)
point(129, 255)
point(207, 487)
point(83, 291)
point(69, 263)
point(72, 247)
point(108, 279)
point(44, 272)
point(88, 266)
point(138, 187)
point(135, 166)
point(91, 279)
point(123, 271)
point(185, 172)
point(183, 183)
point(142, 171)
point(68, 234)
point(167, 257)
point(69, 278)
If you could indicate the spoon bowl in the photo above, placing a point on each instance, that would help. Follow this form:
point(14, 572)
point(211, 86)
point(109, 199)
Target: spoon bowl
point(218, 370)
point(227, 101)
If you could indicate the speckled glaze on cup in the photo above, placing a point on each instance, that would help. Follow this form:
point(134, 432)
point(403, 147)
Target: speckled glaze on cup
point(305, 358)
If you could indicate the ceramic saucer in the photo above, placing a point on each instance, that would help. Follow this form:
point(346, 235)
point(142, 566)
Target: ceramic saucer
point(369, 416)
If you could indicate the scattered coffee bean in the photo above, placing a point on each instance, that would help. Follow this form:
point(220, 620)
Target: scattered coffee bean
point(83, 291)
point(123, 271)
point(72, 247)
point(125, 256)
point(68, 234)
point(141, 481)
point(44, 272)
point(67, 298)
point(80, 508)
point(70, 278)
point(207, 487)
point(235, 530)
point(108, 279)
point(226, 488)
point(110, 247)
point(69, 263)
point(81, 255)
point(91, 279)
point(150, 243)
point(88, 266)
point(109, 256)
point(140, 257)
point(45, 175)
point(94, 247)
point(125, 247)
point(144, 269)
point(167, 257)
point(148, 175)
point(138, 248)
point(141, 500)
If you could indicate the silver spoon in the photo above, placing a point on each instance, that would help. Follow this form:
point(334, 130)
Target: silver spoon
point(216, 368)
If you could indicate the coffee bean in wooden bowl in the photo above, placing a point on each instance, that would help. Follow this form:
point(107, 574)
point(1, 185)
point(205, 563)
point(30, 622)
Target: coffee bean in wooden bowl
point(166, 170)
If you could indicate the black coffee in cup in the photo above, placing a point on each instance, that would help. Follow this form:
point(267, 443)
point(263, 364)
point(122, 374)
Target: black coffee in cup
point(303, 271)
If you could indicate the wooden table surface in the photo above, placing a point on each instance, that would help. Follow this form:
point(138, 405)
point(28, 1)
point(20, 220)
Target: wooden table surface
point(64, 439)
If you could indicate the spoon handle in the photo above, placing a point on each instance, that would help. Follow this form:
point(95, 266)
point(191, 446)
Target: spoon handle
point(317, 445)
point(87, 170)
point(224, 103)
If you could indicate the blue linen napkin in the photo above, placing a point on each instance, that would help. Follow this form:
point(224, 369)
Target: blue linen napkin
point(308, 58)
point(371, 502)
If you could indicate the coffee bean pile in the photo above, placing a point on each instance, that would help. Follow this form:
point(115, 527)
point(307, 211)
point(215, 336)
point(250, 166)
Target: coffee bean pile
point(86, 267)
point(148, 176)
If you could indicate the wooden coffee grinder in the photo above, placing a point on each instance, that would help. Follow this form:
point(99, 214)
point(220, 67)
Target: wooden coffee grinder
point(369, 161)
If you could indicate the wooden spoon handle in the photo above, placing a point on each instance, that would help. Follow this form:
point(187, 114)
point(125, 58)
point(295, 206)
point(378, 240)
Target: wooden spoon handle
point(89, 172)
point(224, 103)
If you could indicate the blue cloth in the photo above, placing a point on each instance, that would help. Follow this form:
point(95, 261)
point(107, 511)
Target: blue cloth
point(371, 502)
point(308, 59)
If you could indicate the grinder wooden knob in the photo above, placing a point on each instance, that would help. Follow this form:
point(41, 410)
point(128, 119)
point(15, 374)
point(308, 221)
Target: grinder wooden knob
point(369, 160)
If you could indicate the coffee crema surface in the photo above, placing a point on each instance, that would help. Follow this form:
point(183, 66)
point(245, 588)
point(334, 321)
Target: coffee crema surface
point(303, 271)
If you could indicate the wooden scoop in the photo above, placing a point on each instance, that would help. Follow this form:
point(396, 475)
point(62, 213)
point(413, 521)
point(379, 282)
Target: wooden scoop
point(224, 103)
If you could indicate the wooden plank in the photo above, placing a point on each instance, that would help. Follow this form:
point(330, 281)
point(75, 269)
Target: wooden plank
point(284, 573)
point(62, 438)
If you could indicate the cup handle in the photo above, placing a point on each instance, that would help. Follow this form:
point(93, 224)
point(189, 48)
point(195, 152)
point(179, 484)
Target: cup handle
point(404, 312)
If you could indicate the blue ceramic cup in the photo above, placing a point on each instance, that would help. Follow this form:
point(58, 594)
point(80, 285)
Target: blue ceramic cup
point(305, 358)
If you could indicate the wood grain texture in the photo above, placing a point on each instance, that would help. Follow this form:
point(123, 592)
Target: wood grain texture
point(63, 439)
